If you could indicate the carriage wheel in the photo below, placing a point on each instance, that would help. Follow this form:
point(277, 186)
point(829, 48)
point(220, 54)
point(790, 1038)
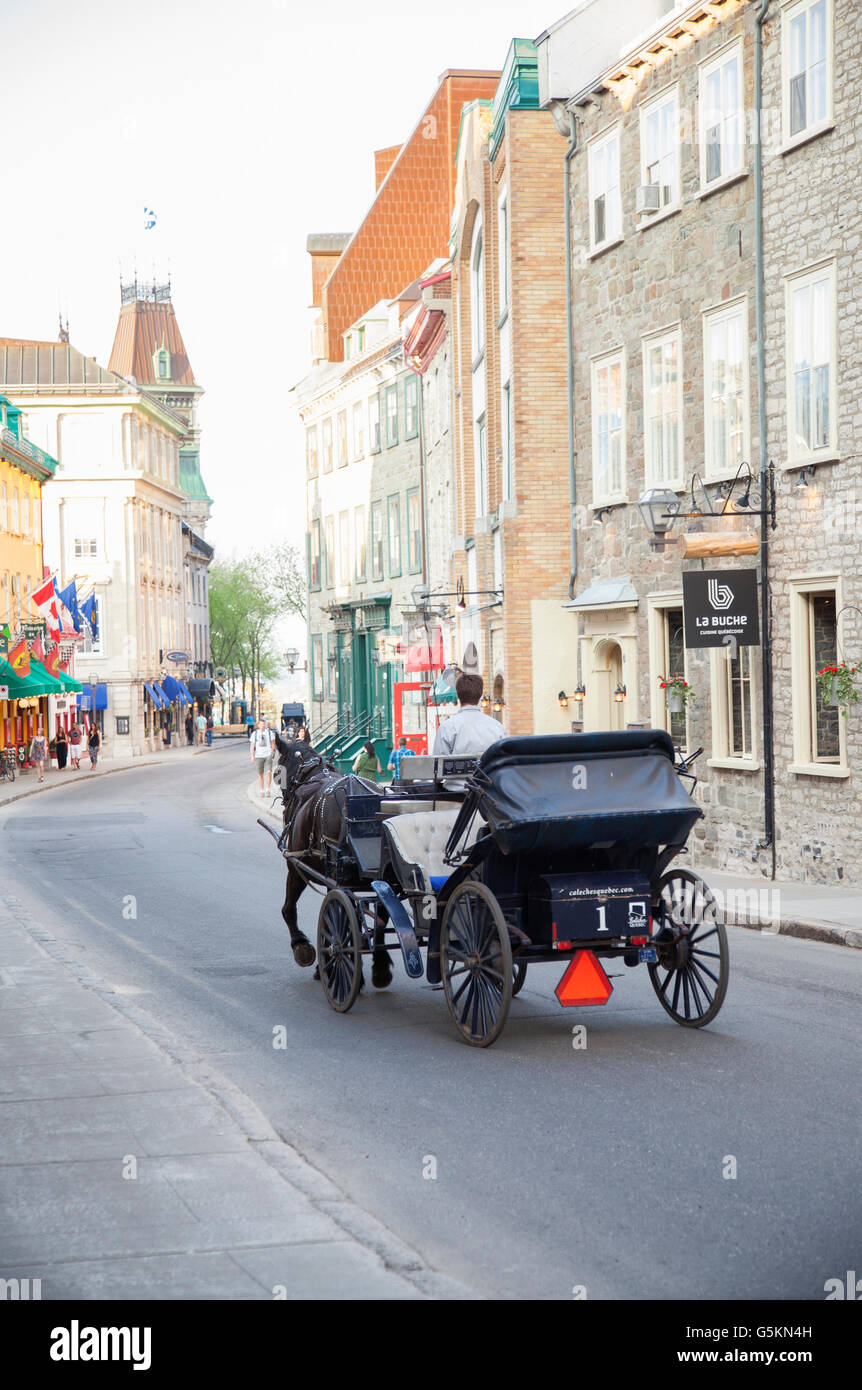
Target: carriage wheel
point(338, 950)
point(690, 978)
point(519, 975)
point(476, 960)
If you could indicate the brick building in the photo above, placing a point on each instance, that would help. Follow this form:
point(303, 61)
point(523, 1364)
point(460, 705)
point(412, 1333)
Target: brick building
point(666, 361)
point(509, 379)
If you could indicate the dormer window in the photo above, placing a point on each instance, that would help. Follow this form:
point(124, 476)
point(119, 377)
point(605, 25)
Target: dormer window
point(162, 364)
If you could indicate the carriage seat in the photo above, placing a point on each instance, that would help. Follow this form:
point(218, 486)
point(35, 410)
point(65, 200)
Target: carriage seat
point(414, 845)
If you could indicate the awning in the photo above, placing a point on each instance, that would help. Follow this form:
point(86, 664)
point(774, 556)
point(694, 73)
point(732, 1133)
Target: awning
point(69, 684)
point(101, 701)
point(201, 687)
point(442, 693)
point(221, 693)
point(174, 690)
point(156, 699)
point(186, 692)
point(605, 593)
point(162, 693)
point(21, 687)
point(52, 684)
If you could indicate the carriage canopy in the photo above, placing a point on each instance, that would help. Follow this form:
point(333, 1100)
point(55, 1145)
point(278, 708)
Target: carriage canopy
point(596, 790)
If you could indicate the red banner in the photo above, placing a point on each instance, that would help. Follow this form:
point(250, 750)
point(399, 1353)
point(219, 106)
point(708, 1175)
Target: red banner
point(422, 655)
point(51, 662)
point(19, 658)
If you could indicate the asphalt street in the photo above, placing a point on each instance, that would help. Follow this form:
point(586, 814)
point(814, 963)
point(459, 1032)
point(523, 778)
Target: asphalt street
point(530, 1169)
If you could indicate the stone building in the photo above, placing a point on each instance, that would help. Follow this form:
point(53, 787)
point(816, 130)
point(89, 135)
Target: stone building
point(364, 529)
point(111, 518)
point(667, 354)
point(511, 457)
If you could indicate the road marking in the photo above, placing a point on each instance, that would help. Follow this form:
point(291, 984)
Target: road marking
point(217, 830)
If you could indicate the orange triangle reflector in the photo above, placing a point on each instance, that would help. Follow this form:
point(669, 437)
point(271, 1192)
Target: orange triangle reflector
point(584, 982)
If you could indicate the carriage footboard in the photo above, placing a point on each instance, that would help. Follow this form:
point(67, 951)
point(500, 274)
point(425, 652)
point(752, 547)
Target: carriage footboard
point(403, 926)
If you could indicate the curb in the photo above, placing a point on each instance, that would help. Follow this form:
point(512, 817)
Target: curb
point(834, 934)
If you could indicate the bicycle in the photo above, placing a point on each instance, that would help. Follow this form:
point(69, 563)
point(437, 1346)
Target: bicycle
point(7, 766)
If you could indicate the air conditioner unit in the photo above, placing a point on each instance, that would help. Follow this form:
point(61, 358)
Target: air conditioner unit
point(648, 198)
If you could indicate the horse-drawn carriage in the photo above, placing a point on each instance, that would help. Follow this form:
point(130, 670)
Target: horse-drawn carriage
point(544, 849)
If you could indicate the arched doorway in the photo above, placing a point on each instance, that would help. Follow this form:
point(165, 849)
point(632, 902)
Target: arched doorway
point(607, 675)
point(498, 704)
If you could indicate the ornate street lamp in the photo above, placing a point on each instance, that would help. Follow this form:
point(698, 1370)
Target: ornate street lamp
point(658, 507)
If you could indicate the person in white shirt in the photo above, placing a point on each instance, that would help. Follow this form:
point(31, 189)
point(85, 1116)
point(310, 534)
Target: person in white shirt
point(261, 744)
point(469, 731)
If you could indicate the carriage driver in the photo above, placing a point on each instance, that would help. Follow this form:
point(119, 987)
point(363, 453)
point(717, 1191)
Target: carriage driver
point(469, 732)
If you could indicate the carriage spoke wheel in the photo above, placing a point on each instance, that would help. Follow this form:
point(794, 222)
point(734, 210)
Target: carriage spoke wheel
point(690, 977)
point(338, 950)
point(476, 960)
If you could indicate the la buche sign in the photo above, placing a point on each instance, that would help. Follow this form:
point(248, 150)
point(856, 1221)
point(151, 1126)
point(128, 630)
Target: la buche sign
point(720, 606)
point(177, 656)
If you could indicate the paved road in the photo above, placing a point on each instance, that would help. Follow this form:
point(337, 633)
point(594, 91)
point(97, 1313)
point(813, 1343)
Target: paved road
point(555, 1167)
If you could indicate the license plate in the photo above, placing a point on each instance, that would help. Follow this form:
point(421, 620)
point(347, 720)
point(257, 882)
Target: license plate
point(648, 955)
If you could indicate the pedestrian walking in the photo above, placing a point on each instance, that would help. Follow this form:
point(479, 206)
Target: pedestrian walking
point(262, 743)
point(366, 763)
point(398, 755)
point(94, 743)
point(201, 726)
point(209, 731)
point(190, 728)
point(38, 753)
point(75, 740)
point(62, 746)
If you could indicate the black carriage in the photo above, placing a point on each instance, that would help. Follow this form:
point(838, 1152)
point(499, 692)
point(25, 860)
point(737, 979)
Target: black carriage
point(546, 848)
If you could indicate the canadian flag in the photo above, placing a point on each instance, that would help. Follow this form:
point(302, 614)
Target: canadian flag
point(45, 599)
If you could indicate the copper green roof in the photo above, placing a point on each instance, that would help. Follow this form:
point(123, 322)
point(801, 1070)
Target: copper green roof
point(191, 481)
point(518, 88)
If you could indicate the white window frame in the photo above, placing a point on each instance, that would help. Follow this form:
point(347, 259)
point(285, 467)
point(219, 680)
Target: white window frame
point(669, 95)
point(731, 52)
point(803, 676)
point(357, 429)
point(826, 122)
point(503, 249)
point(652, 340)
point(599, 364)
point(596, 146)
point(729, 309)
point(507, 429)
point(721, 710)
point(800, 458)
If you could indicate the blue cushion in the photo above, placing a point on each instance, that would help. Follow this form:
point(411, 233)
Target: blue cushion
point(437, 881)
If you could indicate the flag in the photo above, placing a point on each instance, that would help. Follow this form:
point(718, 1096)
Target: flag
point(19, 658)
point(69, 597)
point(38, 650)
point(65, 621)
point(45, 600)
point(51, 662)
point(90, 611)
point(149, 219)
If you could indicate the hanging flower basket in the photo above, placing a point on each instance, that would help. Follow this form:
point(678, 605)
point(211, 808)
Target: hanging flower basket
point(837, 686)
point(678, 693)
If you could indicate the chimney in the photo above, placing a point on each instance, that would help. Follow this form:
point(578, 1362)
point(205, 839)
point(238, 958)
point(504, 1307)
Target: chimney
point(325, 249)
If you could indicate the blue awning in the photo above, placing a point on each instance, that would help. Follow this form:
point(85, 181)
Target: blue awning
point(85, 699)
point(173, 689)
point(162, 693)
point(186, 692)
point(156, 699)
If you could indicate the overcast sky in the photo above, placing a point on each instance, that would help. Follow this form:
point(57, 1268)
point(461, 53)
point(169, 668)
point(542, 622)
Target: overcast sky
point(243, 126)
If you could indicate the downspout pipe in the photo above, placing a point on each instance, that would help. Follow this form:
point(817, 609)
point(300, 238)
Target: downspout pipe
point(766, 497)
point(570, 350)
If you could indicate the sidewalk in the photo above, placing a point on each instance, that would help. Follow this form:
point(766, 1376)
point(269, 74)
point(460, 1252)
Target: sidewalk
point(129, 1170)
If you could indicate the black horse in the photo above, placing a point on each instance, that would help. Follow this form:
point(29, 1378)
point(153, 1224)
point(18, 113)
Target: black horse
point(314, 797)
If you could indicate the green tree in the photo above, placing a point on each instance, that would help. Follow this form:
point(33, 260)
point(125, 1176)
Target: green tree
point(248, 596)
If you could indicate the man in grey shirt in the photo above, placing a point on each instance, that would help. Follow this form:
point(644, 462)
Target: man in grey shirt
point(469, 731)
